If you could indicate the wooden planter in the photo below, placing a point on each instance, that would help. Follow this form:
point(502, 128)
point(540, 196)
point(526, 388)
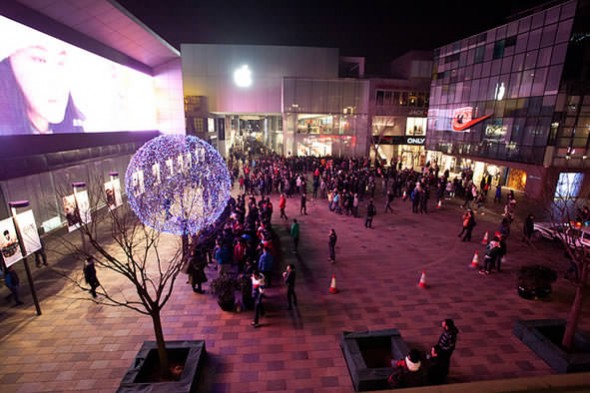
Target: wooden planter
point(139, 378)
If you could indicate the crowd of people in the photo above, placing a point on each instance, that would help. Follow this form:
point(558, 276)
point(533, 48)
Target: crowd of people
point(242, 245)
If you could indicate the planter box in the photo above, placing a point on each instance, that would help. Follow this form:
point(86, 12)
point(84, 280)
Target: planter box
point(190, 353)
point(368, 356)
point(543, 336)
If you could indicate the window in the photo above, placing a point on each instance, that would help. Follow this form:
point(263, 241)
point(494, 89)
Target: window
point(379, 100)
point(479, 53)
point(499, 49)
point(387, 99)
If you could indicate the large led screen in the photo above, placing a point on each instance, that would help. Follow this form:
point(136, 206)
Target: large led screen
point(48, 86)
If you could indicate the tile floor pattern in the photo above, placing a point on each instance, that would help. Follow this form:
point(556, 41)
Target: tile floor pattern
point(79, 346)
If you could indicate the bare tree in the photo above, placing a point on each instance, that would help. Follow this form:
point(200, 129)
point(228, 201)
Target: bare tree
point(564, 207)
point(120, 243)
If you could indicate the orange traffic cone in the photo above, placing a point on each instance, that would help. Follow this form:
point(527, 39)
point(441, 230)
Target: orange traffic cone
point(439, 204)
point(484, 241)
point(474, 261)
point(333, 285)
point(422, 283)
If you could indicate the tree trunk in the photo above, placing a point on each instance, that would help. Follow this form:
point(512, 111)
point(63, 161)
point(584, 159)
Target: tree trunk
point(162, 353)
point(575, 310)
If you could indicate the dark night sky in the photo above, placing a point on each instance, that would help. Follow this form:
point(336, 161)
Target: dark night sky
point(378, 30)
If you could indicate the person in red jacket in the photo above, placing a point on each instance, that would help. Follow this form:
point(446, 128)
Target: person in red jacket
point(282, 206)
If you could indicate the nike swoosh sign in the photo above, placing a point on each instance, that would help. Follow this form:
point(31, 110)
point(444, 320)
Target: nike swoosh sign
point(464, 126)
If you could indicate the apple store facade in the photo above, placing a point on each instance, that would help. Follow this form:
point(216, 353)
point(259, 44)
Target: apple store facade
point(288, 99)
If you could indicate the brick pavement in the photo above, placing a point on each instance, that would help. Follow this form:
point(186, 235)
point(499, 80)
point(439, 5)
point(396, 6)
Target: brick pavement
point(79, 346)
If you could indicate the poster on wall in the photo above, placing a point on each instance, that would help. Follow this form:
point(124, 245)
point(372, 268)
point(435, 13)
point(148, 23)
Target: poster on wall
point(71, 212)
point(28, 231)
point(84, 206)
point(112, 190)
point(9, 243)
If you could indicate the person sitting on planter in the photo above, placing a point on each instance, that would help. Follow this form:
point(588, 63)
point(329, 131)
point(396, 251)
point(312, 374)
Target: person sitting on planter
point(408, 372)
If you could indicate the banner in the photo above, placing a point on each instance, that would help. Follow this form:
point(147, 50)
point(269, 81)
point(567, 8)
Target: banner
point(9, 243)
point(112, 190)
point(28, 231)
point(71, 212)
point(84, 206)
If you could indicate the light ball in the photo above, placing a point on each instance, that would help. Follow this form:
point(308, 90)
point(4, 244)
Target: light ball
point(177, 184)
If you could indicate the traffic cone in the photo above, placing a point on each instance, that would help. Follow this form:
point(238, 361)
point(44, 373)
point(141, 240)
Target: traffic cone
point(422, 283)
point(439, 204)
point(484, 241)
point(333, 285)
point(475, 261)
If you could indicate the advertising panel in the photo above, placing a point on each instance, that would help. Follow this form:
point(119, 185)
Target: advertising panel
point(9, 243)
point(28, 231)
point(71, 212)
point(112, 189)
point(49, 86)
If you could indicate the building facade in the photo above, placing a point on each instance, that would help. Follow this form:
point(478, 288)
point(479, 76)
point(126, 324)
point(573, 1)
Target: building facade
point(512, 102)
point(398, 111)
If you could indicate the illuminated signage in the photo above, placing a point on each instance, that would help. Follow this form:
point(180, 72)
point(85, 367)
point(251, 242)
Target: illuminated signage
point(463, 120)
point(243, 76)
point(398, 140)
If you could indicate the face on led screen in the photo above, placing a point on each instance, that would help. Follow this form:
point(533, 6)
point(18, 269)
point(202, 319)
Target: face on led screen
point(48, 86)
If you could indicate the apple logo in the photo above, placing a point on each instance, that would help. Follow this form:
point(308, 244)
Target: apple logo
point(243, 76)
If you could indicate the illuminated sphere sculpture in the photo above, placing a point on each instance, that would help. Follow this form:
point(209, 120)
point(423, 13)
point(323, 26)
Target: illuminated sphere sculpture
point(177, 184)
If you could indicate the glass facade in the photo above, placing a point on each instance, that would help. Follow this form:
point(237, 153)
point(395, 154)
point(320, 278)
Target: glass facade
point(494, 95)
point(325, 117)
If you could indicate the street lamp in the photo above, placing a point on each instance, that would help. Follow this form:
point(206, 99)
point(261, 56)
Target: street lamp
point(13, 206)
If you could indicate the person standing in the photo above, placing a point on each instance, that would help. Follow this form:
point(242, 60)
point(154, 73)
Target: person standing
point(12, 281)
point(289, 277)
point(295, 235)
point(498, 194)
point(470, 225)
point(265, 264)
point(438, 366)
point(303, 208)
point(370, 214)
point(492, 256)
point(332, 245)
point(390, 197)
point(196, 270)
point(448, 338)
point(258, 286)
point(282, 206)
point(528, 229)
point(90, 276)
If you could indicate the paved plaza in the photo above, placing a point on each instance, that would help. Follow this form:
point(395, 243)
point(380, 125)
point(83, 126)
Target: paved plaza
point(76, 345)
